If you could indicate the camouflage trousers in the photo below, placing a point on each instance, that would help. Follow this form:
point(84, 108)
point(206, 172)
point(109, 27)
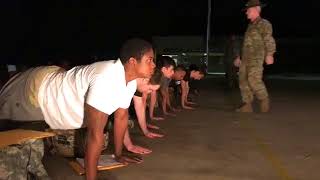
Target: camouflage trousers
point(251, 83)
point(17, 162)
point(71, 143)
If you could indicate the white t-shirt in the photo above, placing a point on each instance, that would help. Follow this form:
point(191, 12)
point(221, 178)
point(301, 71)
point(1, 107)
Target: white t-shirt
point(102, 85)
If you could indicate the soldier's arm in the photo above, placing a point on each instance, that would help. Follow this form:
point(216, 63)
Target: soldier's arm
point(163, 93)
point(266, 33)
point(121, 117)
point(95, 121)
point(140, 108)
point(120, 127)
point(184, 94)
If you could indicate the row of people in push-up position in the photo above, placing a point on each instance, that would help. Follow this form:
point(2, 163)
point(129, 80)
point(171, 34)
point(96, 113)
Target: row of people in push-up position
point(85, 96)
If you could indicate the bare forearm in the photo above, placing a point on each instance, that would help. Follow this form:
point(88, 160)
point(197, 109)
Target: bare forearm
point(127, 140)
point(164, 105)
point(187, 91)
point(168, 101)
point(93, 151)
point(183, 93)
point(120, 127)
point(95, 121)
point(153, 99)
point(183, 99)
point(164, 101)
point(187, 94)
point(140, 109)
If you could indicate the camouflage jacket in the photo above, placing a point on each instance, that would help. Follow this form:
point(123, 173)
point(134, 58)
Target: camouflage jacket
point(258, 42)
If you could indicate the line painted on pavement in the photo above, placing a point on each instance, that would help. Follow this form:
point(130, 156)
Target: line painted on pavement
point(265, 150)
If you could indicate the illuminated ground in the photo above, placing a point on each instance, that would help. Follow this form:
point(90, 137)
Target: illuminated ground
point(214, 143)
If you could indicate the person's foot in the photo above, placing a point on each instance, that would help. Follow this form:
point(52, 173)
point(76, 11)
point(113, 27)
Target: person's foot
point(139, 149)
point(127, 159)
point(245, 108)
point(265, 105)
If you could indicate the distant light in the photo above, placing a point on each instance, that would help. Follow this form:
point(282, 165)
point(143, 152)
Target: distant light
point(184, 54)
point(217, 73)
point(11, 68)
point(170, 55)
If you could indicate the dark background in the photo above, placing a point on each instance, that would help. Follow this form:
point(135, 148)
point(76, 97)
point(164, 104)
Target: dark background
point(35, 31)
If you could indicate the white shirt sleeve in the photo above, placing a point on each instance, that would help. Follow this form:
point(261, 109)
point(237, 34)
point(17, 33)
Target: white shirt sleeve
point(126, 96)
point(108, 90)
point(103, 93)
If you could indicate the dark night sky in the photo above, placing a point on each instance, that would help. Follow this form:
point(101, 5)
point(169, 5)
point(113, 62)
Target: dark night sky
point(35, 29)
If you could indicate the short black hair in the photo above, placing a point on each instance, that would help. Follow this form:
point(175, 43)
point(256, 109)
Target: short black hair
point(194, 67)
point(165, 61)
point(134, 48)
point(180, 68)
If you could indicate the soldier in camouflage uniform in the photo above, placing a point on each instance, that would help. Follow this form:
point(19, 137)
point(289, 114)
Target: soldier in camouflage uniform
point(258, 47)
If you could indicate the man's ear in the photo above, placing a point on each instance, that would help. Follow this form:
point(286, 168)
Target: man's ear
point(132, 61)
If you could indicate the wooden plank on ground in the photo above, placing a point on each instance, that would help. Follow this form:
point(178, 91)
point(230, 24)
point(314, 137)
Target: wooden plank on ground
point(106, 162)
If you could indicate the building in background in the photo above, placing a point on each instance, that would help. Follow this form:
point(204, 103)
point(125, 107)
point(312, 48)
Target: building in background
point(191, 50)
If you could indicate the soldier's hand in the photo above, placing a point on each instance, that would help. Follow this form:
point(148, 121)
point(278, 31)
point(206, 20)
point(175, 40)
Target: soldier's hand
point(269, 59)
point(129, 159)
point(237, 62)
point(152, 135)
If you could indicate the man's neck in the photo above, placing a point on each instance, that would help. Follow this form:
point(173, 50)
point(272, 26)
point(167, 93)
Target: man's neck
point(255, 19)
point(129, 73)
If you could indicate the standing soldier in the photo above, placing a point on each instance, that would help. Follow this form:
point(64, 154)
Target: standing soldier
point(258, 47)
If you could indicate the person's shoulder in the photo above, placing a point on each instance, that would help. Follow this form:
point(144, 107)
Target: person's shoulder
point(264, 25)
point(106, 66)
point(187, 76)
point(264, 22)
point(108, 70)
point(106, 62)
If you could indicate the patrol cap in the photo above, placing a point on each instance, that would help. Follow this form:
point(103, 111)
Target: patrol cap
point(253, 3)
